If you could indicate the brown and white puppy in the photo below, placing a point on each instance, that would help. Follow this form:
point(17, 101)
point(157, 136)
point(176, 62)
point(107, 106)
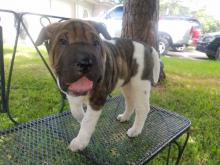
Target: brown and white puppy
point(88, 69)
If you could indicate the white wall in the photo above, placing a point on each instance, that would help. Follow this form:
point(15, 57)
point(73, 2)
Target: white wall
point(54, 7)
point(39, 6)
point(64, 8)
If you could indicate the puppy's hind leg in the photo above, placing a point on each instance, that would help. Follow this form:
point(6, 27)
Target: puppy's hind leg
point(129, 104)
point(76, 104)
point(141, 92)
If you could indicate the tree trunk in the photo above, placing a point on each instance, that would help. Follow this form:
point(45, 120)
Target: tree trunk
point(140, 21)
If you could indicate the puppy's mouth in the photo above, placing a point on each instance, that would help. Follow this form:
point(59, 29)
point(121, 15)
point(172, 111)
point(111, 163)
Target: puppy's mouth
point(80, 87)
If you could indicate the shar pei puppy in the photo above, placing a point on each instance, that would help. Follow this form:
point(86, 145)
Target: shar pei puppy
point(89, 68)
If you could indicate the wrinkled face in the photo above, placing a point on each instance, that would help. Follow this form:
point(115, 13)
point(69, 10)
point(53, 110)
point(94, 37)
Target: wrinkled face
point(77, 57)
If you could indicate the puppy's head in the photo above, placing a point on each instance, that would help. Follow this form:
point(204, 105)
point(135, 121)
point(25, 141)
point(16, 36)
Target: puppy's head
point(76, 53)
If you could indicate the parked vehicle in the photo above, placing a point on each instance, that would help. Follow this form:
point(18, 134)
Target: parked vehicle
point(210, 44)
point(174, 32)
point(178, 32)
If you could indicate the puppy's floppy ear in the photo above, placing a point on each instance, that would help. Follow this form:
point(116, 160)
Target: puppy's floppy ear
point(46, 33)
point(100, 28)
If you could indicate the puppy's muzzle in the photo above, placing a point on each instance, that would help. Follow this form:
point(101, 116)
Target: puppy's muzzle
point(84, 64)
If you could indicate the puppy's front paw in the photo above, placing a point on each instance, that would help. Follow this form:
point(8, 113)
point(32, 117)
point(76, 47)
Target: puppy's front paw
point(132, 132)
point(77, 145)
point(122, 118)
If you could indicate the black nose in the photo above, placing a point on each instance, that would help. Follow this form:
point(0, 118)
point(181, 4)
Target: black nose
point(85, 64)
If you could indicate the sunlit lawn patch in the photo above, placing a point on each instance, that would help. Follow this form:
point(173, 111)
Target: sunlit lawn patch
point(192, 89)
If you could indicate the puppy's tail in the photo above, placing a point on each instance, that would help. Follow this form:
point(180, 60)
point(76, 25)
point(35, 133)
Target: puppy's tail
point(156, 68)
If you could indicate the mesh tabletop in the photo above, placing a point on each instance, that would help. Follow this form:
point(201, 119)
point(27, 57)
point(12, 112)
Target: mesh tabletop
point(45, 141)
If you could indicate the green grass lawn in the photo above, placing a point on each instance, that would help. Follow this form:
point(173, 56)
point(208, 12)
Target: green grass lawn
point(192, 89)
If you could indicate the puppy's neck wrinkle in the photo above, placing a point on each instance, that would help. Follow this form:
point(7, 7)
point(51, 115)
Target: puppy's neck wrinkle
point(112, 70)
point(127, 62)
point(120, 63)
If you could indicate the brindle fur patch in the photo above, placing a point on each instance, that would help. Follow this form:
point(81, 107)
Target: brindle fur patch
point(120, 64)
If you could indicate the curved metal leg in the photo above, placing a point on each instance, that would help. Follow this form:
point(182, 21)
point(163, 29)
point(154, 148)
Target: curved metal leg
point(2, 76)
point(11, 71)
point(168, 154)
point(44, 61)
point(181, 148)
point(6, 92)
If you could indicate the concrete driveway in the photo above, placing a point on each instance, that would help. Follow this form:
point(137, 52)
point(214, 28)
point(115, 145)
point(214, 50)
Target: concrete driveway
point(191, 54)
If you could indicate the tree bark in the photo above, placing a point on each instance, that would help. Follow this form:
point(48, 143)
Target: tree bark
point(140, 21)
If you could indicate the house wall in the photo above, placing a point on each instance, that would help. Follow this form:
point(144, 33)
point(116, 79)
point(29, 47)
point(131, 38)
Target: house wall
point(77, 8)
point(64, 8)
point(83, 9)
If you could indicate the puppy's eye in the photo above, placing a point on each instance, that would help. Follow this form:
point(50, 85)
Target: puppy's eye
point(63, 42)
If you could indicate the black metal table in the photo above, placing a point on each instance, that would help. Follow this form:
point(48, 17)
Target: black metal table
point(45, 141)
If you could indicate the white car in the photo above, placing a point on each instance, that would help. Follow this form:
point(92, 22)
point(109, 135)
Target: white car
point(174, 32)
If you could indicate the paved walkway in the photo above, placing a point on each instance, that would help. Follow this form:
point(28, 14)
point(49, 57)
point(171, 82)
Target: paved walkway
point(193, 54)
